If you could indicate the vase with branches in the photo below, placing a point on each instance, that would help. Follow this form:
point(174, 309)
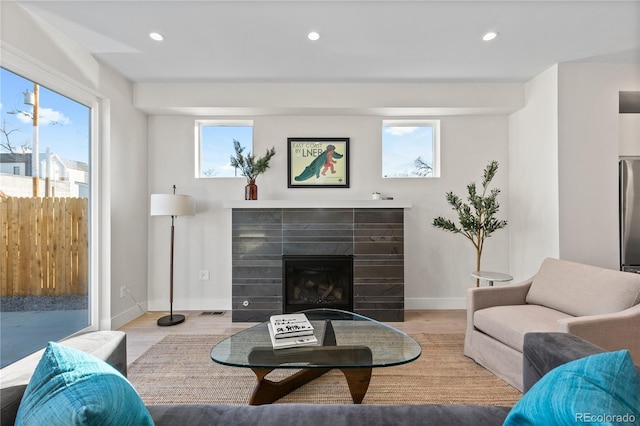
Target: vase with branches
point(476, 219)
point(250, 168)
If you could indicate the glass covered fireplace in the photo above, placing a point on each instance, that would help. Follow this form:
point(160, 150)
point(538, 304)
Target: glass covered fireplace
point(317, 282)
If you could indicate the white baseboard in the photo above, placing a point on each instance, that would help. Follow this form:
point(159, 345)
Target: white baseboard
point(409, 303)
point(435, 303)
point(128, 315)
point(212, 304)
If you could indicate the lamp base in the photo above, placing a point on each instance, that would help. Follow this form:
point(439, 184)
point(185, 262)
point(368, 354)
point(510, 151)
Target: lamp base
point(170, 320)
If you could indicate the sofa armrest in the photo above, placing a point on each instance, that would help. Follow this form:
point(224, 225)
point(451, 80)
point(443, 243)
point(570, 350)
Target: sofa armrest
point(542, 352)
point(486, 297)
point(110, 346)
point(619, 330)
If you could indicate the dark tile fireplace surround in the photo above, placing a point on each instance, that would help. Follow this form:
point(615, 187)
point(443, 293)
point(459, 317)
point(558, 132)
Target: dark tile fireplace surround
point(261, 237)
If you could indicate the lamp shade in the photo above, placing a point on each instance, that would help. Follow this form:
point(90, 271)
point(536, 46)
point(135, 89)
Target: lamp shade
point(172, 205)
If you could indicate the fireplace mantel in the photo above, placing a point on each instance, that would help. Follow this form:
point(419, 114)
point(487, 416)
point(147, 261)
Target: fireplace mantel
point(317, 204)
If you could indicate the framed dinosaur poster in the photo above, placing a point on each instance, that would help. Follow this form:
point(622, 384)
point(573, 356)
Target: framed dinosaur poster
point(318, 162)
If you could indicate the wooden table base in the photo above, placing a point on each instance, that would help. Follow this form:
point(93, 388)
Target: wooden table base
point(267, 391)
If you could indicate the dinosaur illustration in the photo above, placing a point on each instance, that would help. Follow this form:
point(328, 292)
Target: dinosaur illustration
point(320, 164)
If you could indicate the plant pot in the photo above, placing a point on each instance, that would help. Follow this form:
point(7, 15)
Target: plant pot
point(251, 191)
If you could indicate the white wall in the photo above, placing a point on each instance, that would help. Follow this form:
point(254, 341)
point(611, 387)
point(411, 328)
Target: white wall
point(42, 54)
point(437, 263)
point(533, 177)
point(564, 148)
point(129, 203)
point(328, 98)
point(588, 159)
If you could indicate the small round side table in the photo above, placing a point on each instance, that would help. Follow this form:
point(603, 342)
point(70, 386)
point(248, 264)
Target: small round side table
point(490, 277)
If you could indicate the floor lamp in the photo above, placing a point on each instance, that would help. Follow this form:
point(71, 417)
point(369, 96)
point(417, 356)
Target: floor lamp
point(171, 205)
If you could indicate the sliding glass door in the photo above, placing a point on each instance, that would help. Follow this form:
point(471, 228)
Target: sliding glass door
point(45, 172)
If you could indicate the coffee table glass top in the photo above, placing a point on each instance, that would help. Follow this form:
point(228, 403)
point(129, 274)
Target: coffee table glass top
point(345, 340)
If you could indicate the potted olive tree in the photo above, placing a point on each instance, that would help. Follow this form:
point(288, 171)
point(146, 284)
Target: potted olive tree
point(250, 168)
point(476, 220)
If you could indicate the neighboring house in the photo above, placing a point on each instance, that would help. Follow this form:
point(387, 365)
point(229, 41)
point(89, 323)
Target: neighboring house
point(68, 178)
point(15, 164)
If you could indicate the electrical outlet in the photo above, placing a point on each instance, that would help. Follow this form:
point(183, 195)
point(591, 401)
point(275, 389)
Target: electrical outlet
point(123, 292)
point(204, 275)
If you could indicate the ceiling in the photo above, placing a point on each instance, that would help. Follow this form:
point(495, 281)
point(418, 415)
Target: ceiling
point(361, 41)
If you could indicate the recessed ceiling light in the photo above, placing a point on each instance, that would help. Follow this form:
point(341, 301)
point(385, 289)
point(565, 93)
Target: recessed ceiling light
point(490, 36)
point(156, 36)
point(313, 36)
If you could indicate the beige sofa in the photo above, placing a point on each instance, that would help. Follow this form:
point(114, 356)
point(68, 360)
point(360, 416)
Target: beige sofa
point(597, 304)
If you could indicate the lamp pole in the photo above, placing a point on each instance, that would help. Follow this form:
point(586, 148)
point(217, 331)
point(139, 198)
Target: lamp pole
point(171, 320)
point(171, 205)
point(33, 99)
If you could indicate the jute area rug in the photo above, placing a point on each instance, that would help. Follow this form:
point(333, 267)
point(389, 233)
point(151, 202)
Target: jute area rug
point(178, 370)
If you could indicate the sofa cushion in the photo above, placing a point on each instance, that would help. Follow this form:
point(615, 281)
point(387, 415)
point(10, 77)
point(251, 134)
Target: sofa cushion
point(602, 388)
point(329, 414)
point(508, 324)
point(581, 290)
point(71, 387)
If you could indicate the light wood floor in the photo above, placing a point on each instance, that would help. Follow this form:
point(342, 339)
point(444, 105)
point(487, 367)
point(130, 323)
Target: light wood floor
point(143, 332)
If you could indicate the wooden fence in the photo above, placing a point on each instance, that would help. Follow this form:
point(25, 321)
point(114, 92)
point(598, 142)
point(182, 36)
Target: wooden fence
point(44, 246)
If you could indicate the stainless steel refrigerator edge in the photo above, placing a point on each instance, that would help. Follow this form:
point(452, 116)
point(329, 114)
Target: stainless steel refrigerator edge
point(630, 214)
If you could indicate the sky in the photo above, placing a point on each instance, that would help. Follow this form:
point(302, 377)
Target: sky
point(401, 145)
point(64, 125)
point(217, 148)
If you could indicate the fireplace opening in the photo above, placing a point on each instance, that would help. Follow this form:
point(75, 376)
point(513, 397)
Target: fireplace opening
point(317, 282)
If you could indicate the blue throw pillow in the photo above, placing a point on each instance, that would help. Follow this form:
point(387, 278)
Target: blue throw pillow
point(71, 387)
point(601, 389)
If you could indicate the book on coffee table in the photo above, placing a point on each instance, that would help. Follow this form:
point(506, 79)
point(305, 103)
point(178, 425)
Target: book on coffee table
point(290, 325)
point(291, 342)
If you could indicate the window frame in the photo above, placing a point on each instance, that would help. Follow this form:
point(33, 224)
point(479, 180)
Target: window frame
point(415, 122)
point(99, 246)
point(199, 124)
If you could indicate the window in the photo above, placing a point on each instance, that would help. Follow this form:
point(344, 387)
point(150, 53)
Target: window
point(410, 149)
point(45, 234)
point(214, 146)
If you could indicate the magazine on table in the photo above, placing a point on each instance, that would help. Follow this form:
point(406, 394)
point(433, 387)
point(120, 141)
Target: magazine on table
point(290, 325)
point(291, 342)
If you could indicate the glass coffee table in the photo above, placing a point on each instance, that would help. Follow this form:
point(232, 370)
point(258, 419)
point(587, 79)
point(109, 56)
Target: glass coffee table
point(352, 343)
